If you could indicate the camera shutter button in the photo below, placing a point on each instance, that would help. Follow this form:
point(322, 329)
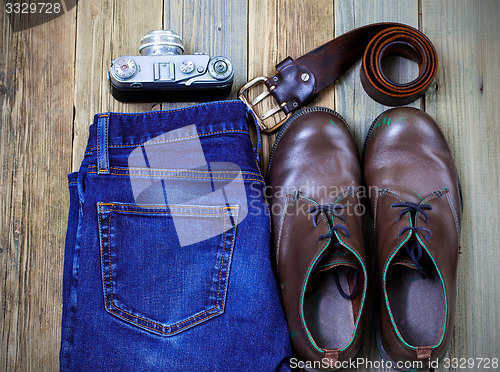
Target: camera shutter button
point(220, 67)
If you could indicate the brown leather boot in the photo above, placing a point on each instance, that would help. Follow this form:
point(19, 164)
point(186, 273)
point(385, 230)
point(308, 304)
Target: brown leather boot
point(416, 200)
point(316, 219)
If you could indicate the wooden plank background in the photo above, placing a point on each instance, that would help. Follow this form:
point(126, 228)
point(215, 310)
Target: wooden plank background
point(53, 79)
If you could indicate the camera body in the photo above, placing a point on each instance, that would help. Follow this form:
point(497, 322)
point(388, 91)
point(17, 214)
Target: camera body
point(163, 73)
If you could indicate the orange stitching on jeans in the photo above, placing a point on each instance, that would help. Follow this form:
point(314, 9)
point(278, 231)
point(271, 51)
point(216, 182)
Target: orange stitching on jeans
point(105, 139)
point(222, 260)
point(146, 320)
point(165, 176)
point(98, 142)
point(171, 140)
point(109, 253)
point(106, 143)
point(177, 170)
point(170, 206)
point(159, 325)
point(103, 269)
point(167, 213)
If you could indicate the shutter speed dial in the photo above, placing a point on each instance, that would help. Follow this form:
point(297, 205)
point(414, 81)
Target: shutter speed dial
point(187, 67)
point(124, 68)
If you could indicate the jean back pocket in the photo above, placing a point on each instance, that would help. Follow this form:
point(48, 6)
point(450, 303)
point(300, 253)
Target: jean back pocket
point(166, 268)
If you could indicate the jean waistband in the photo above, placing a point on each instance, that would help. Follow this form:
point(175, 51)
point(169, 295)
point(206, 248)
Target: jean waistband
point(118, 130)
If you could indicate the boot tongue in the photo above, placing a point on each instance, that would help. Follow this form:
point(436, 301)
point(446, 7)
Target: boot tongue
point(335, 258)
point(402, 258)
point(407, 262)
point(342, 264)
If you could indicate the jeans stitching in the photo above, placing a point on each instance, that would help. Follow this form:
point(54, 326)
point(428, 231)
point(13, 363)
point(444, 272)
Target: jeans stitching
point(109, 254)
point(177, 170)
point(184, 177)
point(138, 317)
point(163, 205)
point(106, 143)
point(160, 326)
point(170, 140)
point(103, 267)
point(222, 261)
point(98, 141)
point(176, 213)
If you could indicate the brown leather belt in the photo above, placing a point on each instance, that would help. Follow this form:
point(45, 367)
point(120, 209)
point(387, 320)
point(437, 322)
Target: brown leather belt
point(298, 82)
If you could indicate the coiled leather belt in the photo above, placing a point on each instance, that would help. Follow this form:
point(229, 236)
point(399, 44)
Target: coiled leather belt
point(297, 82)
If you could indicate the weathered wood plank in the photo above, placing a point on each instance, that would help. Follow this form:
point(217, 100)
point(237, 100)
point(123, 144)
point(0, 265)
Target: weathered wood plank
point(106, 30)
point(278, 29)
point(213, 27)
point(36, 96)
point(464, 102)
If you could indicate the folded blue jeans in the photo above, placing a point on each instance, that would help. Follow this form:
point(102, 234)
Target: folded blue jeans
point(167, 260)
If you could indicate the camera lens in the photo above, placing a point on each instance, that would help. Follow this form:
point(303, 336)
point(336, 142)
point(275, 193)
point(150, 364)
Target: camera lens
point(161, 43)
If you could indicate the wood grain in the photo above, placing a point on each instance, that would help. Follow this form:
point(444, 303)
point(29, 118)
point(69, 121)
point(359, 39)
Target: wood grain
point(106, 30)
point(213, 27)
point(464, 102)
point(53, 80)
point(278, 29)
point(36, 96)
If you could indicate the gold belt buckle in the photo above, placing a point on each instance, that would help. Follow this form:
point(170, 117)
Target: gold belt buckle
point(243, 95)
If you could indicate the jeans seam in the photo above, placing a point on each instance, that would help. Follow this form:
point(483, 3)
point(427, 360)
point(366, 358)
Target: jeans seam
point(184, 177)
point(161, 327)
point(176, 170)
point(170, 140)
point(163, 205)
point(103, 146)
point(135, 316)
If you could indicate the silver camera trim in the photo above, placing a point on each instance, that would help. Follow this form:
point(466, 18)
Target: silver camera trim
point(162, 66)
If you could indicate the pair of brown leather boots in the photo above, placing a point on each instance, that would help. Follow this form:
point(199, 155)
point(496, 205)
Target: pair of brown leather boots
point(318, 191)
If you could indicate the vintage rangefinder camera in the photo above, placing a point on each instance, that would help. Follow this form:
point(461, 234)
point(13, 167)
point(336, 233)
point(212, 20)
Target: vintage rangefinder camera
point(163, 73)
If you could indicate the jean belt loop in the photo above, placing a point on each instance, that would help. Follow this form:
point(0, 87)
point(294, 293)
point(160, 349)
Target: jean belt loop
point(251, 117)
point(102, 144)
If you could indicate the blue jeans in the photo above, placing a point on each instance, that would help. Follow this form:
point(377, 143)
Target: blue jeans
point(167, 262)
